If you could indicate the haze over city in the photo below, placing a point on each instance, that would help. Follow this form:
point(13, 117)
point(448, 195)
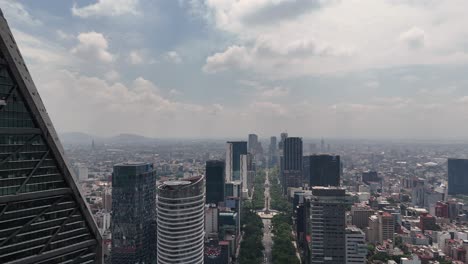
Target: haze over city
point(352, 69)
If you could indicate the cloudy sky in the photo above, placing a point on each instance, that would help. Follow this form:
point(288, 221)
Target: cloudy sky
point(224, 68)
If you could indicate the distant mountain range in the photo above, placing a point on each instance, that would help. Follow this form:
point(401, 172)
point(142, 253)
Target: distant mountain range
point(83, 138)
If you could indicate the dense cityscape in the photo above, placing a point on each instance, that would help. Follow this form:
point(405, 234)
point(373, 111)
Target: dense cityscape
point(278, 198)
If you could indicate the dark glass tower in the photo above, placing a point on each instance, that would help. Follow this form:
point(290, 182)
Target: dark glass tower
point(43, 216)
point(214, 181)
point(292, 162)
point(458, 176)
point(328, 225)
point(134, 213)
point(323, 170)
point(253, 143)
point(233, 155)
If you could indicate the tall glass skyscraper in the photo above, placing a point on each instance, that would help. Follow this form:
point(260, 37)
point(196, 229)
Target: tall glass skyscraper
point(322, 170)
point(134, 213)
point(234, 150)
point(292, 162)
point(214, 181)
point(457, 176)
point(43, 216)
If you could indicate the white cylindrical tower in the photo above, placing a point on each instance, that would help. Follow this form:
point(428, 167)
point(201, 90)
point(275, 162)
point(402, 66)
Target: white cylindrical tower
point(181, 223)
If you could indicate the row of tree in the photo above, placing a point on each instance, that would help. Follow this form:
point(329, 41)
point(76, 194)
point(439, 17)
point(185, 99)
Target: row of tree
point(258, 197)
point(251, 248)
point(283, 250)
point(278, 201)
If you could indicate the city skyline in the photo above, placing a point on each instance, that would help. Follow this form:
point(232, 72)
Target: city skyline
point(234, 68)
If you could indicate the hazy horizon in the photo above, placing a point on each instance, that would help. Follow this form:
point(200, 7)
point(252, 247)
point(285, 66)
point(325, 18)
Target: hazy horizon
point(371, 69)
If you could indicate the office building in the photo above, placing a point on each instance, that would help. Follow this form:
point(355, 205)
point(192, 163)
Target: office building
point(253, 143)
point(43, 216)
point(373, 229)
point(272, 152)
point(133, 214)
point(211, 221)
point(323, 170)
point(215, 181)
point(370, 176)
point(328, 225)
point(81, 171)
point(181, 221)
point(292, 162)
point(247, 174)
point(234, 150)
point(360, 216)
point(386, 226)
point(356, 247)
point(457, 176)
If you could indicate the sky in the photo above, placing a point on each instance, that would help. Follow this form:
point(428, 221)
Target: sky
point(226, 68)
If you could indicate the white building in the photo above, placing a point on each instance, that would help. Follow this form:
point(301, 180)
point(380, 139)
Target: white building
point(211, 221)
point(81, 171)
point(356, 248)
point(180, 221)
point(413, 260)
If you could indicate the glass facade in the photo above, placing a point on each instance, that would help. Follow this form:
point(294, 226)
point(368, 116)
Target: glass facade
point(134, 214)
point(214, 181)
point(43, 218)
point(458, 176)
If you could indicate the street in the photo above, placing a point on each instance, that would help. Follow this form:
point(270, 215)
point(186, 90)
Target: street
point(267, 240)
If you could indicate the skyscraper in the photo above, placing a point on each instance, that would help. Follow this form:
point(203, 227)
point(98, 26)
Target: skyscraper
point(328, 225)
point(133, 215)
point(214, 181)
point(457, 176)
point(234, 150)
point(292, 167)
point(43, 216)
point(181, 222)
point(323, 170)
point(272, 152)
point(253, 143)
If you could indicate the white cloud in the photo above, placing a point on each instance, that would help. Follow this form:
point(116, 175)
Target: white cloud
point(64, 36)
point(275, 92)
point(15, 12)
point(233, 57)
point(326, 38)
point(372, 84)
point(174, 57)
point(93, 46)
point(414, 38)
point(107, 8)
point(112, 76)
point(135, 57)
point(175, 92)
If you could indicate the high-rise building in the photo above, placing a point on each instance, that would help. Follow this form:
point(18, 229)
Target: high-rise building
point(181, 223)
point(272, 152)
point(234, 150)
point(215, 181)
point(133, 214)
point(356, 247)
point(328, 225)
point(323, 170)
point(253, 143)
point(247, 173)
point(292, 162)
point(386, 226)
point(360, 215)
point(43, 216)
point(370, 176)
point(457, 176)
